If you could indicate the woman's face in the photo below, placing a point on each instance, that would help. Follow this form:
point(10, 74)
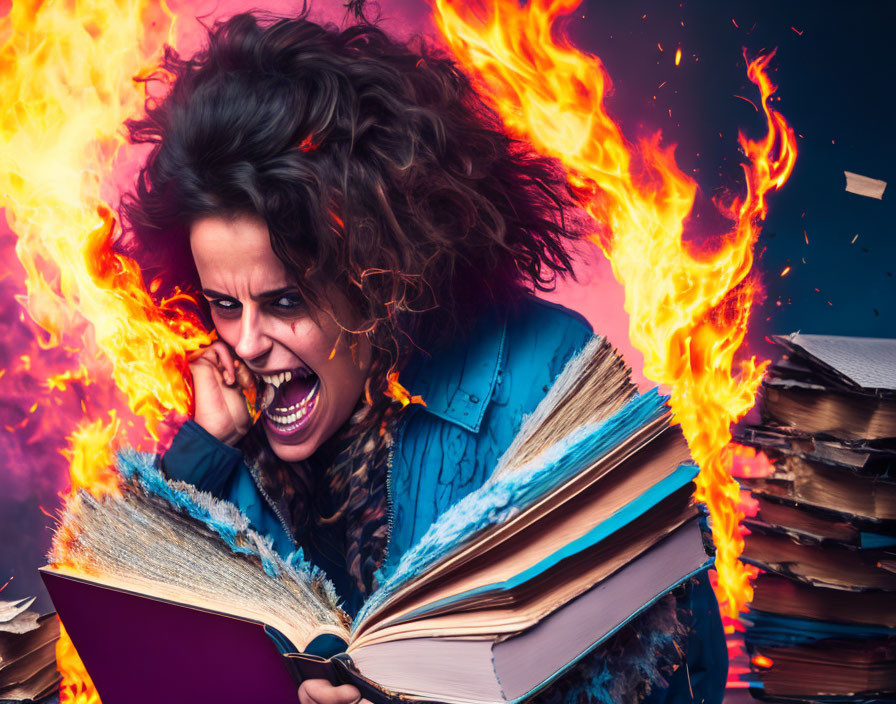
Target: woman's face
point(312, 378)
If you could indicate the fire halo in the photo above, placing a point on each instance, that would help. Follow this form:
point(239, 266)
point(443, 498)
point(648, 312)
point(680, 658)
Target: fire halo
point(109, 360)
point(688, 312)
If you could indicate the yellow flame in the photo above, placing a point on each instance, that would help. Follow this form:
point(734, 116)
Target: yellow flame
point(67, 77)
point(91, 457)
point(76, 683)
point(66, 86)
point(761, 661)
point(688, 311)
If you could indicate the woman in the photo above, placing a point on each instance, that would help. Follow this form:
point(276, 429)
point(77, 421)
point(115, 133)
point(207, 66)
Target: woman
point(365, 234)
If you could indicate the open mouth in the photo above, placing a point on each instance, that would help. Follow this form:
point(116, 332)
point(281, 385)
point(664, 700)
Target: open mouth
point(289, 399)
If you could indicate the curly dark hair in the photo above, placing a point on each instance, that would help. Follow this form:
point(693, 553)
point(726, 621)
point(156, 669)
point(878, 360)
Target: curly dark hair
point(376, 167)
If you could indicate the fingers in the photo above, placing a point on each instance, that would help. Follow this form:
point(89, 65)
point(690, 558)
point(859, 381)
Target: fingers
point(225, 362)
point(244, 376)
point(219, 401)
point(218, 354)
point(322, 692)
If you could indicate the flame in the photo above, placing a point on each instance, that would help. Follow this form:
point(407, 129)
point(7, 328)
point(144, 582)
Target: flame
point(748, 462)
point(66, 84)
point(762, 661)
point(90, 456)
point(397, 392)
point(76, 683)
point(688, 310)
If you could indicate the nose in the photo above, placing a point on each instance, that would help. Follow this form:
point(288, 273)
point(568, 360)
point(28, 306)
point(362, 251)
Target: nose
point(253, 343)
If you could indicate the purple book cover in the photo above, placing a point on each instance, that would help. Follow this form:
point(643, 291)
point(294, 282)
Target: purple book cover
point(143, 651)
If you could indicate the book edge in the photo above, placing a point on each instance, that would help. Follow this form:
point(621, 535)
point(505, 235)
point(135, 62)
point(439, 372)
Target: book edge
point(562, 671)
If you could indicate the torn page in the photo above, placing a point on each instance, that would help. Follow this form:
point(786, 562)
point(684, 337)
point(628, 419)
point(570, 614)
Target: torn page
point(864, 186)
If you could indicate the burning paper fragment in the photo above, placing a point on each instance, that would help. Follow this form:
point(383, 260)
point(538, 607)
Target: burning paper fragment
point(864, 186)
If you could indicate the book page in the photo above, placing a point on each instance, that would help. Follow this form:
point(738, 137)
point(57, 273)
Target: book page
point(480, 515)
point(561, 518)
point(526, 604)
point(592, 386)
point(140, 541)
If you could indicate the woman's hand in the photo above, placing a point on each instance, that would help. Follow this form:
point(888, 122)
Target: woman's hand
point(218, 380)
point(322, 692)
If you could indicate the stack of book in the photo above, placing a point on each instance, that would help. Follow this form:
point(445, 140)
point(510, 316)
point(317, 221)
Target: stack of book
point(822, 623)
point(27, 652)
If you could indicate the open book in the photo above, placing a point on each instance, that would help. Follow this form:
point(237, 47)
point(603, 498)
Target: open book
point(586, 521)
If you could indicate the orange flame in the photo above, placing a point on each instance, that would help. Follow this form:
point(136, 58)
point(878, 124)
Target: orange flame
point(76, 683)
point(688, 311)
point(762, 661)
point(747, 462)
point(66, 84)
point(397, 392)
point(90, 456)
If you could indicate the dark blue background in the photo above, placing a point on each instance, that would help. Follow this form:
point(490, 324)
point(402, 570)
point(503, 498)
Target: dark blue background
point(835, 71)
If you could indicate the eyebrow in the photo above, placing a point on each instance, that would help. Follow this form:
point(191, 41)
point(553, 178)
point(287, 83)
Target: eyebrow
point(275, 293)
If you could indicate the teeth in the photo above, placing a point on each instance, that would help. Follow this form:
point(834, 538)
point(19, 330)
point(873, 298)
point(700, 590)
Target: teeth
point(276, 380)
point(287, 415)
point(268, 396)
point(291, 418)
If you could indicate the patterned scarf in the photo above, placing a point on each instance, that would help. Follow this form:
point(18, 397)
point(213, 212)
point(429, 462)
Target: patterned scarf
point(308, 496)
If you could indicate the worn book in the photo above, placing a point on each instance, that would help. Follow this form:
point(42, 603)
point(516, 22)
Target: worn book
point(806, 523)
point(858, 672)
point(586, 522)
point(843, 387)
point(825, 486)
point(822, 523)
point(776, 594)
point(27, 651)
point(834, 565)
point(829, 412)
point(815, 661)
point(862, 459)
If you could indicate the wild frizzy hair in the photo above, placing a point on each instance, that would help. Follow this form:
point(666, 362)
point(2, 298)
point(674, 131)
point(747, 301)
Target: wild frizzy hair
point(378, 169)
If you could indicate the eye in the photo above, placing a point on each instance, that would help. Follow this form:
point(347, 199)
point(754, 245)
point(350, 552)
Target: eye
point(224, 305)
point(289, 302)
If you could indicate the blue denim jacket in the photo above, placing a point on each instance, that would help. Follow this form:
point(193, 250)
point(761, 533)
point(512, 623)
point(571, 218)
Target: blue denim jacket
point(477, 392)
